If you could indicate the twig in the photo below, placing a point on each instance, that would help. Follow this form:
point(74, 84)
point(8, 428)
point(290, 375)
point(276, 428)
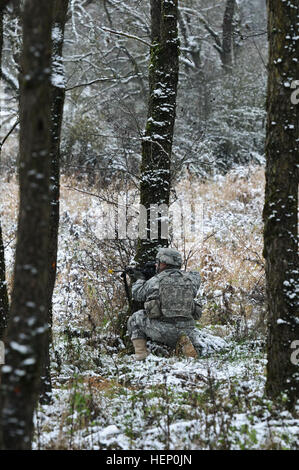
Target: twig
point(210, 235)
point(8, 134)
point(10, 241)
point(90, 194)
point(121, 33)
point(259, 53)
point(98, 169)
point(104, 79)
point(253, 35)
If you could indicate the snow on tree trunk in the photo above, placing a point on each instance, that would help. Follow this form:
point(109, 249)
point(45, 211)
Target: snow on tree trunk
point(157, 141)
point(60, 8)
point(281, 200)
point(28, 326)
point(3, 289)
point(4, 304)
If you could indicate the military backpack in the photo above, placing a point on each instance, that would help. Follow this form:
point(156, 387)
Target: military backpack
point(174, 297)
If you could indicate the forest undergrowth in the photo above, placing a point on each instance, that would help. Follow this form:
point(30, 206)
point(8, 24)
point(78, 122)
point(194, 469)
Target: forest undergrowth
point(102, 399)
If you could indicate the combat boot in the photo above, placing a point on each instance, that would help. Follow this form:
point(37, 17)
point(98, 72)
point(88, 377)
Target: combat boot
point(185, 348)
point(141, 351)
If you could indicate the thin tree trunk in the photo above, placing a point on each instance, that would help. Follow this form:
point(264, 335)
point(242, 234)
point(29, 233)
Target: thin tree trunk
point(4, 304)
point(227, 35)
point(223, 46)
point(281, 201)
point(60, 8)
point(157, 142)
point(27, 329)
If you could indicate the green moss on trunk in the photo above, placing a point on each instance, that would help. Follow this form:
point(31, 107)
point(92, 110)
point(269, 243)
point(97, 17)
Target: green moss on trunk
point(158, 137)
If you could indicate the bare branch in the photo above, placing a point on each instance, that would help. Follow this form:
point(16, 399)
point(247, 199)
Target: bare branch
point(121, 33)
point(8, 134)
point(9, 80)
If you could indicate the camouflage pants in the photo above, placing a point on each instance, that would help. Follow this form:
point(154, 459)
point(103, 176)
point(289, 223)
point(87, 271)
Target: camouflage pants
point(164, 332)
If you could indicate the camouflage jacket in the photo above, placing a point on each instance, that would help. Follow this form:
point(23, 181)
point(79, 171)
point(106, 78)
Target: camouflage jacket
point(149, 292)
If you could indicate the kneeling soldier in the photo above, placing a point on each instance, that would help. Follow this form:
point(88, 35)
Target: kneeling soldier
point(170, 307)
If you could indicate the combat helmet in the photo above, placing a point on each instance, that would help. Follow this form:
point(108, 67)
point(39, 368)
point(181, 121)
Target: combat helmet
point(170, 257)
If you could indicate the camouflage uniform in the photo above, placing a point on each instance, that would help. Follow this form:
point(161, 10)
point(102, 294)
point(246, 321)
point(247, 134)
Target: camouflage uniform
point(151, 323)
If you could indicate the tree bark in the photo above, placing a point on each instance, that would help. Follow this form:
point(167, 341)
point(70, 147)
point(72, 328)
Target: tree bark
point(223, 46)
point(227, 35)
point(281, 201)
point(4, 304)
point(158, 138)
point(28, 328)
point(60, 9)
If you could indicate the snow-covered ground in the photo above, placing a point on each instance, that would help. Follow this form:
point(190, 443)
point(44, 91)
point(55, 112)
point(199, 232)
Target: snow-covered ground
point(102, 399)
point(215, 402)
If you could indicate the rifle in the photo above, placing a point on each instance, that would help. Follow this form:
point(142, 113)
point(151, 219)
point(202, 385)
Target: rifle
point(148, 270)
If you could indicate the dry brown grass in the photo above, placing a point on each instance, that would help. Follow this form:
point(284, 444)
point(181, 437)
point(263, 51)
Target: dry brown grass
point(9, 200)
point(96, 383)
point(235, 267)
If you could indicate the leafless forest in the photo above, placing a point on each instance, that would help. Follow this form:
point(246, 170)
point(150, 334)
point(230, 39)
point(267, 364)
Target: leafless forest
point(114, 110)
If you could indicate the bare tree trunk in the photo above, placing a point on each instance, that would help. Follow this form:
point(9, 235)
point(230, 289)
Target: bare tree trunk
point(28, 327)
point(224, 47)
point(281, 201)
point(4, 305)
point(157, 142)
point(60, 8)
point(156, 20)
point(227, 35)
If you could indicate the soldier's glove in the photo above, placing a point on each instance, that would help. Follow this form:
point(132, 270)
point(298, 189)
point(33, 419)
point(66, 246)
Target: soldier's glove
point(134, 273)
